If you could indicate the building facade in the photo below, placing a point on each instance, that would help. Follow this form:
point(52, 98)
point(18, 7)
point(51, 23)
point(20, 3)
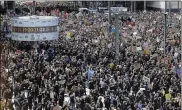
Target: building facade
point(174, 6)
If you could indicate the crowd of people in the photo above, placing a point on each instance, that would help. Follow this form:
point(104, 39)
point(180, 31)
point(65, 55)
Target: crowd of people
point(79, 71)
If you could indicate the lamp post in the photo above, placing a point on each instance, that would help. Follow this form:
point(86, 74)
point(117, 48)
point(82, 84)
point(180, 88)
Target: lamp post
point(117, 37)
point(165, 6)
point(131, 6)
point(134, 6)
point(165, 27)
point(169, 12)
point(178, 6)
point(145, 5)
point(117, 12)
point(109, 8)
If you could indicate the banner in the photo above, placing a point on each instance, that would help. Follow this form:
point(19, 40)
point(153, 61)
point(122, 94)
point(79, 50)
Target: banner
point(68, 34)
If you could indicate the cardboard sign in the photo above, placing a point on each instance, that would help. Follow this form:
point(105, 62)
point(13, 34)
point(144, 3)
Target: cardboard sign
point(68, 34)
point(165, 60)
point(137, 66)
point(150, 86)
point(70, 22)
point(146, 79)
point(139, 48)
point(146, 52)
point(138, 37)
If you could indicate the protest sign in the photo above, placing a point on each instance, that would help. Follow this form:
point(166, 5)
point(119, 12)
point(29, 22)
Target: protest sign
point(139, 48)
point(68, 34)
point(137, 66)
point(146, 51)
point(150, 86)
point(70, 22)
point(146, 79)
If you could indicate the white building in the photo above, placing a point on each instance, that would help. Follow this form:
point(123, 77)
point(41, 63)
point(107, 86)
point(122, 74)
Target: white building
point(175, 5)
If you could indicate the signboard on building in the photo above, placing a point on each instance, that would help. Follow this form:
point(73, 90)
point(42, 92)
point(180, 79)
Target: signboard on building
point(118, 9)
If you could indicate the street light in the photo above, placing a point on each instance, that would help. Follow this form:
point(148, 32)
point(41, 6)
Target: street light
point(131, 6)
point(165, 26)
point(109, 7)
point(116, 12)
point(145, 6)
point(117, 42)
point(170, 12)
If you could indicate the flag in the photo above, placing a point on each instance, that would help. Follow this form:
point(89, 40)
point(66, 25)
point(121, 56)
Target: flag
point(90, 74)
point(52, 51)
point(112, 30)
point(68, 35)
point(178, 71)
point(67, 60)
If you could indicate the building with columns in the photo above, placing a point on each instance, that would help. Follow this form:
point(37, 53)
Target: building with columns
point(174, 6)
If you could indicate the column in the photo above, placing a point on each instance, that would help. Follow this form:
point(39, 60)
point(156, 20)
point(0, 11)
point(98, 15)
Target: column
point(145, 5)
point(117, 42)
point(169, 8)
point(165, 26)
point(165, 9)
point(134, 6)
point(131, 6)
